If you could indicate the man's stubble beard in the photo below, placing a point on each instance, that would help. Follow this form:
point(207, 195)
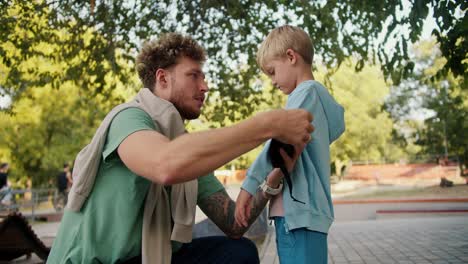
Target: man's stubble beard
point(178, 103)
point(186, 113)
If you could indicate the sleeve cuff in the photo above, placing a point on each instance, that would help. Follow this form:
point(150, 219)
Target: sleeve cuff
point(250, 184)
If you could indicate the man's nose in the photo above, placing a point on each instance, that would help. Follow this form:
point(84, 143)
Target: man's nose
point(204, 86)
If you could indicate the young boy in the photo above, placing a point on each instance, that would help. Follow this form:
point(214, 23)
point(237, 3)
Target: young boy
point(301, 228)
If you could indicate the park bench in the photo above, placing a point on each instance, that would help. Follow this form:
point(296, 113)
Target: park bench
point(17, 238)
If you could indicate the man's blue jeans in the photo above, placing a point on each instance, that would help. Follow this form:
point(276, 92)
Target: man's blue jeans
point(214, 250)
point(217, 249)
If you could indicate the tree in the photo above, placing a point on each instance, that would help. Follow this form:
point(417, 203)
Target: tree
point(444, 133)
point(230, 31)
point(368, 135)
point(68, 52)
point(368, 126)
point(270, 98)
point(47, 129)
point(441, 97)
point(55, 115)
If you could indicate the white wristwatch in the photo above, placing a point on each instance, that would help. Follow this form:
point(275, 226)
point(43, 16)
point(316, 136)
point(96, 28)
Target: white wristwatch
point(269, 190)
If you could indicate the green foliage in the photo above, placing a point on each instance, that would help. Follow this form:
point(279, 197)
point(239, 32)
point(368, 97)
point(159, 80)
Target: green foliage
point(445, 132)
point(444, 99)
point(270, 98)
point(452, 36)
point(47, 129)
point(41, 48)
point(56, 106)
point(368, 134)
point(55, 111)
point(368, 127)
point(230, 31)
point(65, 63)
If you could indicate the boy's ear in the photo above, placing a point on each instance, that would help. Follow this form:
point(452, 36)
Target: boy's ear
point(291, 55)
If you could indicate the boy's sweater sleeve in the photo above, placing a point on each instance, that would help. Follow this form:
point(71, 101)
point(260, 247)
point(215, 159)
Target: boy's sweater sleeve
point(261, 167)
point(258, 171)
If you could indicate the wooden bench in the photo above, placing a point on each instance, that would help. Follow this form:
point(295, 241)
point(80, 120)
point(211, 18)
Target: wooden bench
point(18, 239)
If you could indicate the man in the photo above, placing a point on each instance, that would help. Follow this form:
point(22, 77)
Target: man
point(64, 181)
point(4, 175)
point(5, 191)
point(137, 183)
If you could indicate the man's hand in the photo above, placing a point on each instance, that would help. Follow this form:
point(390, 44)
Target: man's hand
point(243, 207)
point(293, 126)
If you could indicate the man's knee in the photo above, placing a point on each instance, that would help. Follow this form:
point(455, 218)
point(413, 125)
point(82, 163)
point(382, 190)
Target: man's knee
point(246, 250)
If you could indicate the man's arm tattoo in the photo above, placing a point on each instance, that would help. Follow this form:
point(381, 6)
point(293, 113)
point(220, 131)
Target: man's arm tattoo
point(220, 208)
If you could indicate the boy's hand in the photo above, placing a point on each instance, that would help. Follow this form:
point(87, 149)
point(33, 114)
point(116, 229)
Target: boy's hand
point(290, 162)
point(243, 207)
point(274, 178)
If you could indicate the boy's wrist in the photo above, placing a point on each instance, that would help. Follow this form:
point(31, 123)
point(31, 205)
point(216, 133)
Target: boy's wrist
point(271, 190)
point(275, 178)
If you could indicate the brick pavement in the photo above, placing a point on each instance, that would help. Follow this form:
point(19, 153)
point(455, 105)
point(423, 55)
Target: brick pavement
point(416, 241)
point(403, 240)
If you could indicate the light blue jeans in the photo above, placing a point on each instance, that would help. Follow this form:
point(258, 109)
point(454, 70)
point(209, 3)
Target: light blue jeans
point(300, 245)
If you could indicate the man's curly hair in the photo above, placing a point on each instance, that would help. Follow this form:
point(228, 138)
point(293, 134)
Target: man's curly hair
point(163, 53)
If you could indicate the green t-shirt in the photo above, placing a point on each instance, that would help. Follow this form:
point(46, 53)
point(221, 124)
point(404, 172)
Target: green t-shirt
point(108, 227)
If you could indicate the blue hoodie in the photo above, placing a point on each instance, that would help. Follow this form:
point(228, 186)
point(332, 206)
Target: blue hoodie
point(311, 174)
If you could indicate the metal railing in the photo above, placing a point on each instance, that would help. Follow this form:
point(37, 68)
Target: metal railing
point(33, 202)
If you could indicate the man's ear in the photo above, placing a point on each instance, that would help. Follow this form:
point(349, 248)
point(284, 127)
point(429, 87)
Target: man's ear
point(161, 77)
point(291, 55)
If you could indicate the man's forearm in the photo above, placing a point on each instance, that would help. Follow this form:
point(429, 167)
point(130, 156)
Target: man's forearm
point(259, 202)
point(151, 155)
point(192, 155)
point(220, 208)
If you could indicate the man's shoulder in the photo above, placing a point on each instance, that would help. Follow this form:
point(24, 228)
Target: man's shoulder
point(124, 123)
point(132, 111)
point(131, 116)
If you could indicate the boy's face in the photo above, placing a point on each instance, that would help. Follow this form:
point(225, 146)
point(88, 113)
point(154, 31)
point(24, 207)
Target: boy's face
point(282, 74)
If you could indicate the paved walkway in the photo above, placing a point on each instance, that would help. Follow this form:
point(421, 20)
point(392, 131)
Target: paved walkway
point(412, 240)
point(418, 241)
point(355, 239)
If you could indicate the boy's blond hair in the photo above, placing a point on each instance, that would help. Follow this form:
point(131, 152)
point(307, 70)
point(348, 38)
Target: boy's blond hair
point(282, 38)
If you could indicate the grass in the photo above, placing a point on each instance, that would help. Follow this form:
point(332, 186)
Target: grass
point(457, 191)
